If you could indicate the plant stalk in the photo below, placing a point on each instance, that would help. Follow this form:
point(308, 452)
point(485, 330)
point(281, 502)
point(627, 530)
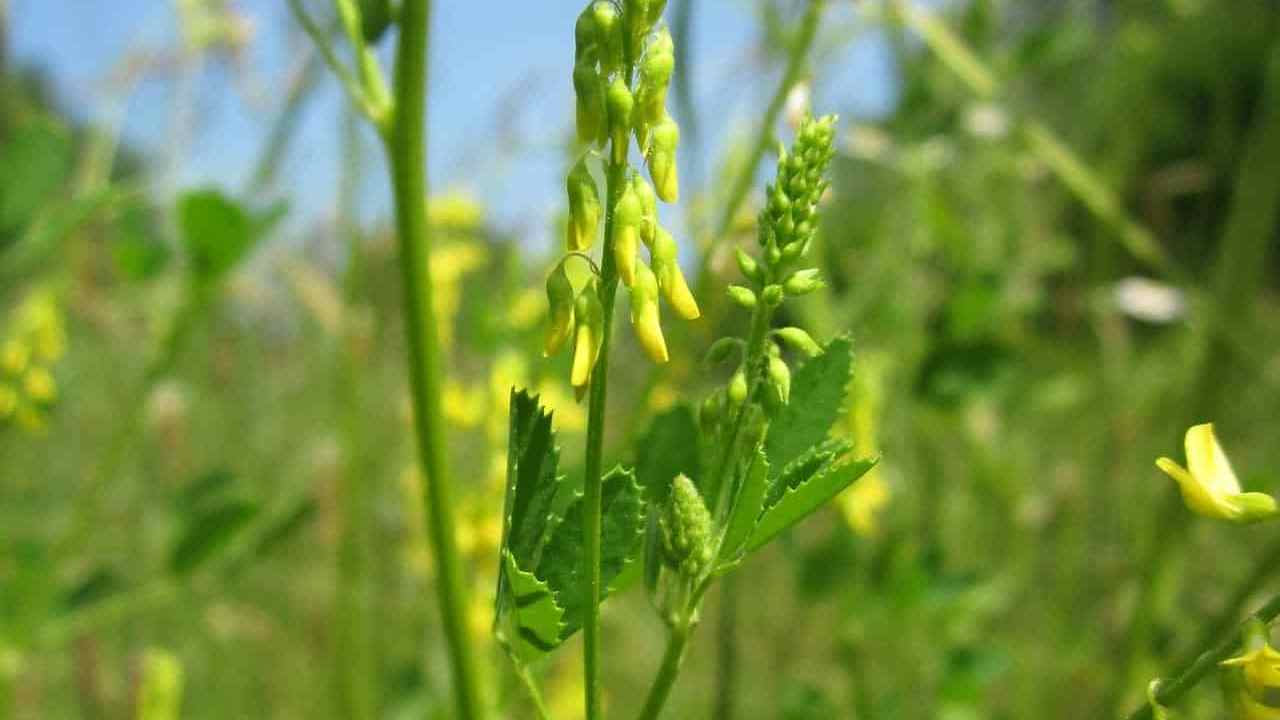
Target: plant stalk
point(405, 141)
point(666, 677)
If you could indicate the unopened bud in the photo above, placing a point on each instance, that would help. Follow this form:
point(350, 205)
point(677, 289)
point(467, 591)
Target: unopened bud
point(711, 410)
point(662, 159)
point(619, 104)
point(722, 350)
point(608, 35)
point(655, 78)
point(584, 208)
point(802, 282)
point(772, 295)
point(585, 36)
point(670, 278)
point(779, 379)
point(588, 88)
point(560, 301)
point(742, 296)
point(737, 391)
point(748, 265)
point(687, 529)
point(626, 234)
point(648, 208)
point(798, 340)
point(588, 335)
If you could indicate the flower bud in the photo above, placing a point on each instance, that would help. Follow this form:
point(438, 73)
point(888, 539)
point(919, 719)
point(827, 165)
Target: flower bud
point(619, 103)
point(608, 36)
point(670, 278)
point(638, 23)
point(655, 78)
point(798, 340)
point(710, 411)
point(722, 350)
point(644, 314)
point(588, 335)
point(779, 379)
point(584, 208)
point(648, 209)
point(626, 234)
point(742, 296)
point(772, 295)
point(687, 529)
point(803, 282)
point(748, 265)
point(662, 159)
point(737, 391)
point(560, 301)
point(585, 36)
point(39, 386)
point(588, 88)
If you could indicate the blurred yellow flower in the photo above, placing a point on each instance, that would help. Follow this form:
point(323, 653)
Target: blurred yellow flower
point(527, 309)
point(40, 386)
point(862, 504)
point(455, 210)
point(1251, 693)
point(448, 264)
point(1209, 485)
point(13, 357)
point(464, 406)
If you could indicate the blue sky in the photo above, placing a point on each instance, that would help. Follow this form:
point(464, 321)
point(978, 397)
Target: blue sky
point(500, 95)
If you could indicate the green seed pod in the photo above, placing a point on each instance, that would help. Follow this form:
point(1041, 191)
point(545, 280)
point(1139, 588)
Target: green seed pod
point(648, 209)
point(687, 529)
point(670, 279)
point(737, 390)
point(584, 208)
point(627, 218)
point(798, 340)
point(779, 379)
point(741, 296)
point(619, 103)
point(560, 300)
point(772, 295)
point(722, 349)
point(803, 282)
point(644, 314)
point(748, 265)
point(588, 87)
point(585, 34)
point(588, 336)
point(608, 36)
point(662, 159)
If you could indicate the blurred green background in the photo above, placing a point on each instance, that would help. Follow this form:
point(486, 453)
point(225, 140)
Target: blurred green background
point(1052, 236)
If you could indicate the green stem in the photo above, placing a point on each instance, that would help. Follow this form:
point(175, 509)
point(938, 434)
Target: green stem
point(531, 685)
point(799, 53)
point(615, 181)
point(727, 649)
point(666, 677)
point(405, 142)
point(1265, 569)
point(1205, 662)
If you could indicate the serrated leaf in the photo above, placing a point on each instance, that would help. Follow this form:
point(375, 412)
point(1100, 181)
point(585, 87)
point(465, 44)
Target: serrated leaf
point(669, 448)
point(747, 506)
point(622, 524)
point(209, 533)
point(532, 459)
point(802, 500)
point(530, 625)
point(817, 394)
point(806, 466)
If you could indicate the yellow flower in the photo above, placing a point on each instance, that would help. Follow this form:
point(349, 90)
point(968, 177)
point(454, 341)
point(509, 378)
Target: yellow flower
point(862, 504)
point(1253, 691)
point(1209, 485)
point(455, 210)
point(13, 357)
point(40, 386)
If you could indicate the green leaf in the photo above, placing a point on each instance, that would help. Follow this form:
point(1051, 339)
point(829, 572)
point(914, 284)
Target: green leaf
point(817, 394)
point(137, 249)
point(532, 484)
point(801, 501)
point(100, 584)
point(622, 524)
point(218, 232)
point(37, 162)
point(288, 524)
point(211, 532)
point(747, 506)
point(530, 625)
point(802, 468)
point(669, 448)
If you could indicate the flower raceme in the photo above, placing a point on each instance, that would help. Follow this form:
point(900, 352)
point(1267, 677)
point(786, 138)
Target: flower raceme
point(623, 63)
point(1209, 485)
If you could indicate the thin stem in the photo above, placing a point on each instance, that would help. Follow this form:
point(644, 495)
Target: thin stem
point(615, 180)
point(1205, 663)
point(321, 41)
point(666, 677)
point(405, 142)
point(1265, 569)
point(531, 685)
point(799, 53)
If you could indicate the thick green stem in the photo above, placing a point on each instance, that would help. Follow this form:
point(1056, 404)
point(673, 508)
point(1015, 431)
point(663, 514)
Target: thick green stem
point(1205, 663)
point(666, 677)
point(405, 140)
point(799, 53)
point(615, 181)
point(727, 649)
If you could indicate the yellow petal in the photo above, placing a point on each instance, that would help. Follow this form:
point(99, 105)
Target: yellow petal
point(1207, 462)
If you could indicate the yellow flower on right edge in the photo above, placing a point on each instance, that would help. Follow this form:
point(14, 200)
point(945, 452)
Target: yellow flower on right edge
point(1209, 485)
point(1252, 682)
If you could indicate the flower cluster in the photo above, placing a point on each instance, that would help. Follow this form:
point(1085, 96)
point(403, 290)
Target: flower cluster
point(786, 228)
point(35, 342)
point(623, 63)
